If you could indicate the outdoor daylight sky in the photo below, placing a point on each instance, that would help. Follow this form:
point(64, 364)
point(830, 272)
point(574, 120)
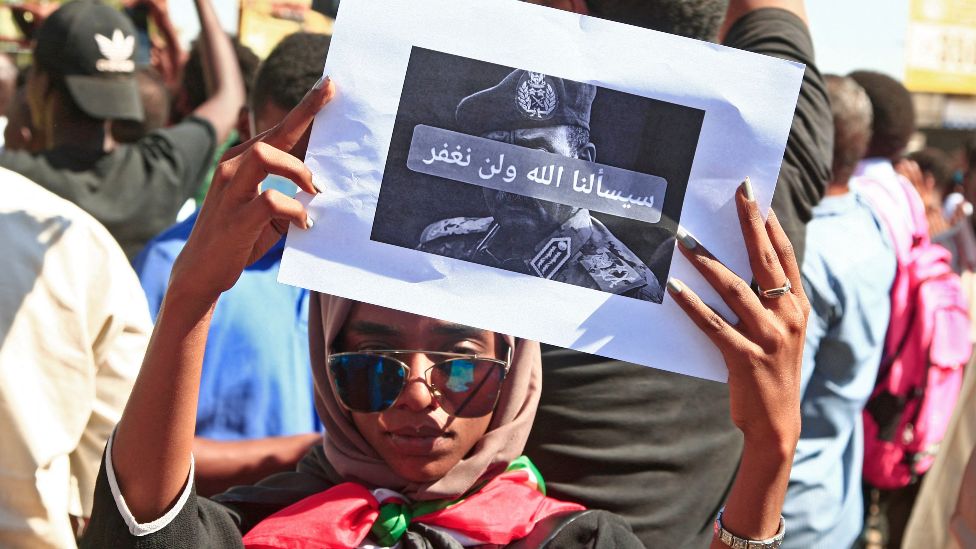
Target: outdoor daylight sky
point(859, 34)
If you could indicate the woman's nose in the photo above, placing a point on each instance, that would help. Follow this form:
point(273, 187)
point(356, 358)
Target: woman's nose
point(416, 395)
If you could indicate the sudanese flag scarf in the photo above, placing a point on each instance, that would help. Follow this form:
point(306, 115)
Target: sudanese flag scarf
point(491, 491)
point(504, 509)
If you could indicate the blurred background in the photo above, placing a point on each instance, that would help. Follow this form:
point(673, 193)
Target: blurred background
point(930, 45)
point(260, 24)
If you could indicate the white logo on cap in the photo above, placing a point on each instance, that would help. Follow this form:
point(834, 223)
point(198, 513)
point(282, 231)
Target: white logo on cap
point(536, 97)
point(117, 51)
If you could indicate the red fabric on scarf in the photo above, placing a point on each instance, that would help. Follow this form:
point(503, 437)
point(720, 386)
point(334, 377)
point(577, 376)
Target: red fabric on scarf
point(504, 510)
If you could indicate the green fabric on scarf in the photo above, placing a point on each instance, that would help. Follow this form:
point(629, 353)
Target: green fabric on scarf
point(395, 518)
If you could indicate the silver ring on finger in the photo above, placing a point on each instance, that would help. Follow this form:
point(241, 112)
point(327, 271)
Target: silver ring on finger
point(776, 292)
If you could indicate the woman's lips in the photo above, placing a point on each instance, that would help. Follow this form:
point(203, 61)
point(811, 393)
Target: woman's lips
point(413, 441)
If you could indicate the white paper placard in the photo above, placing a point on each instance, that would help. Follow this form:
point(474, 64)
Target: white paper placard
point(699, 116)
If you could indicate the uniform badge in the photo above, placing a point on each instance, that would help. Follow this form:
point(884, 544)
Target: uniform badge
point(551, 257)
point(536, 97)
point(455, 226)
point(610, 272)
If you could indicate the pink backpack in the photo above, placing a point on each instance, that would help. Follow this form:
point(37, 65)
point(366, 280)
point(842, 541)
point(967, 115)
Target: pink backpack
point(925, 350)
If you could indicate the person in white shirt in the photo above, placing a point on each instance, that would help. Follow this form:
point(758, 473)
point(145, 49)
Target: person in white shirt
point(74, 326)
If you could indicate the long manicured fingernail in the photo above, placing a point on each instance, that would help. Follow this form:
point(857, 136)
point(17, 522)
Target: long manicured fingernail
point(322, 82)
point(308, 222)
point(675, 286)
point(747, 190)
point(684, 237)
point(318, 188)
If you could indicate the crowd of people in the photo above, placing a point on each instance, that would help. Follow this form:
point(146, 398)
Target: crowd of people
point(159, 388)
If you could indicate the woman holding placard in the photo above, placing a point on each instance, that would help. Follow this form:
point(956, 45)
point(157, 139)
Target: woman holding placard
point(425, 419)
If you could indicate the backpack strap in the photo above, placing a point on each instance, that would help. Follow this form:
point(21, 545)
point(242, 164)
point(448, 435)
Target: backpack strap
point(884, 204)
point(917, 210)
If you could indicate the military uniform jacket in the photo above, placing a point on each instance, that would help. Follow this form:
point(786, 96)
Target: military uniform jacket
point(582, 252)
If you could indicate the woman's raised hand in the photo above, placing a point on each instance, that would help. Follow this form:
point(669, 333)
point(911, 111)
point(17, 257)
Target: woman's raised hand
point(763, 351)
point(237, 223)
point(152, 444)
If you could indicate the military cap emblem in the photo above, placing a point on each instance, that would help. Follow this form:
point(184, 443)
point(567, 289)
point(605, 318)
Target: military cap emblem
point(524, 100)
point(536, 97)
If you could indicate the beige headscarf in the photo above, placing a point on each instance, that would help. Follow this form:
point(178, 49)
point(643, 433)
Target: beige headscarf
point(354, 459)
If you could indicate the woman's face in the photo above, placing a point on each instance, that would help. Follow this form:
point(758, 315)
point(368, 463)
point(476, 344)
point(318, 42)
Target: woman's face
point(415, 436)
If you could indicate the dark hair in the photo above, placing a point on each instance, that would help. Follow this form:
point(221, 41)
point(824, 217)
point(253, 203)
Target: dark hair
point(194, 84)
point(155, 104)
point(936, 162)
point(699, 19)
point(290, 70)
point(851, 110)
point(894, 114)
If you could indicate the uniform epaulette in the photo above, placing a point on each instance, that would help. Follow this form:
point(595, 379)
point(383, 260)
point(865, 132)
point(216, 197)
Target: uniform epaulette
point(455, 226)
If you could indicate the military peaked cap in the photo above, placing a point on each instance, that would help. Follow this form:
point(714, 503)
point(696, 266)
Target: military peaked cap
point(526, 100)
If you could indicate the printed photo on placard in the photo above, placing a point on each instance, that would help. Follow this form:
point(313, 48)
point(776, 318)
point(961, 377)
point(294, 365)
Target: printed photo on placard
point(536, 174)
point(523, 170)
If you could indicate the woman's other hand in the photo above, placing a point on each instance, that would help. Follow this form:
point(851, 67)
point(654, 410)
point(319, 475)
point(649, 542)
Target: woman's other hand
point(238, 223)
point(763, 352)
point(152, 444)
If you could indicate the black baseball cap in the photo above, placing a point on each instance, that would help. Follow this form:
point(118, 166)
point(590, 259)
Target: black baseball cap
point(92, 46)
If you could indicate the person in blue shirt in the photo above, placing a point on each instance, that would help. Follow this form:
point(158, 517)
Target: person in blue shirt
point(847, 273)
point(256, 412)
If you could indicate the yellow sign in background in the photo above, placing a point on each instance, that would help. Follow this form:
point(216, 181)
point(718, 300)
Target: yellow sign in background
point(264, 23)
point(940, 51)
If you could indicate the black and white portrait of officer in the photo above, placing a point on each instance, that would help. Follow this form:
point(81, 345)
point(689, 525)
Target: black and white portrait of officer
point(531, 236)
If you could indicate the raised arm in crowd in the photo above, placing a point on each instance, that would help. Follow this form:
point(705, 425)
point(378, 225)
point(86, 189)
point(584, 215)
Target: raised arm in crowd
point(78, 87)
point(225, 86)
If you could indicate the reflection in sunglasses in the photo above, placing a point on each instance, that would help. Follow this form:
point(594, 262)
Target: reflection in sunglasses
point(372, 381)
point(376, 390)
point(461, 377)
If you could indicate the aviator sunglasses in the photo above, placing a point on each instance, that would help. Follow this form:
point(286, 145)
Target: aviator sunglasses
point(372, 381)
